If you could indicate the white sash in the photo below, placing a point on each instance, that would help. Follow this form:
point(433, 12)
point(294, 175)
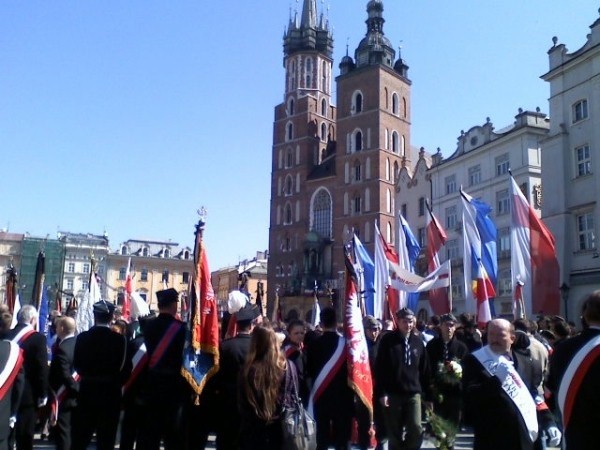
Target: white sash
point(567, 378)
point(325, 372)
point(513, 385)
point(27, 329)
point(13, 356)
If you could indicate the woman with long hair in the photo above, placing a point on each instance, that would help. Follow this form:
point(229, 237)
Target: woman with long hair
point(266, 386)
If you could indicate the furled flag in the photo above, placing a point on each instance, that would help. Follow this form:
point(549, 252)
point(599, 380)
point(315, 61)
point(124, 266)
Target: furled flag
point(38, 283)
point(479, 288)
point(408, 252)
point(84, 318)
point(126, 310)
point(365, 270)
point(533, 257)
point(43, 324)
point(201, 351)
point(315, 318)
point(407, 281)
point(357, 355)
point(386, 299)
point(11, 288)
point(16, 311)
point(436, 238)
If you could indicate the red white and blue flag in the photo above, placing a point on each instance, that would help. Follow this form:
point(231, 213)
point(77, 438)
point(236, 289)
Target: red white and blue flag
point(533, 257)
point(436, 238)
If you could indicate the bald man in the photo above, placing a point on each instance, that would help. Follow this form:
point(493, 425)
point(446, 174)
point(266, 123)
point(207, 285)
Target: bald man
point(500, 391)
point(63, 382)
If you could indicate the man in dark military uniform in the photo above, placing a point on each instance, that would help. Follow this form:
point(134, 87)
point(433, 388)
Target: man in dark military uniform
point(232, 358)
point(100, 361)
point(164, 389)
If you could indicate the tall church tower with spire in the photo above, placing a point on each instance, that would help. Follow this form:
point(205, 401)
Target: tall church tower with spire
point(333, 167)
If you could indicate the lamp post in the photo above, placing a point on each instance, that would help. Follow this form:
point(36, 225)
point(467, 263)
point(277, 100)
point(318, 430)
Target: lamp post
point(564, 293)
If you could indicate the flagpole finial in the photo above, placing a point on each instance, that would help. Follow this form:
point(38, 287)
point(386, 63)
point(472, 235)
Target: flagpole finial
point(202, 214)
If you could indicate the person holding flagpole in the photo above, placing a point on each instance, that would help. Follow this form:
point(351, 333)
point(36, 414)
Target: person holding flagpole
point(574, 379)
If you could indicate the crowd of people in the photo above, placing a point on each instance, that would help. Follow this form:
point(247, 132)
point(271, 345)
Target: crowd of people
point(519, 385)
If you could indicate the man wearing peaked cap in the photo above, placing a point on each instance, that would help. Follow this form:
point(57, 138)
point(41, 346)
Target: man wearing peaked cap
point(167, 297)
point(99, 358)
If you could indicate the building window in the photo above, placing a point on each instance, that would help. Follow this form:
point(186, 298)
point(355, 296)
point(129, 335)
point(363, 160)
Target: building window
point(324, 102)
point(394, 141)
point(585, 231)
point(474, 175)
point(289, 186)
point(584, 160)
point(71, 267)
point(185, 277)
point(452, 249)
point(86, 267)
point(580, 111)
point(321, 213)
point(165, 276)
point(422, 237)
point(356, 207)
point(503, 242)
point(421, 206)
point(85, 285)
point(144, 275)
point(357, 104)
point(289, 135)
point(395, 103)
point(289, 158)
point(166, 253)
point(450, 184)
point(308, 73)
point(124, 250)
point(186, 255)
point(288, 214)
point(502, 165)
point(358, 141)
point(502, 202)
point(357, 171)
point(145, 251)
point(323, 132)
point(291, 107)
point(504, 283)
point(122, 273)
point(451, 217)
point(70, 284)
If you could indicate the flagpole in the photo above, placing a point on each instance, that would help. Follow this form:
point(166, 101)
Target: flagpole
point(450, 299)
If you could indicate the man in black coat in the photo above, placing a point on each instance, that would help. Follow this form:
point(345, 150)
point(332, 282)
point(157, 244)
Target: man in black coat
point(164, 389)
point(496, 379)
point(233, 354)
point(35, 390)
point(444, 351)
point(333, 408)
point(402, 380)
point(582, 391)
point(11, 370)
point(63, 382)
point(100, 361)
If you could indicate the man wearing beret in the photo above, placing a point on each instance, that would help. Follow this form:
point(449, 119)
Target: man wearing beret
point(164, 388)
point(402, 376)
point(100, 360)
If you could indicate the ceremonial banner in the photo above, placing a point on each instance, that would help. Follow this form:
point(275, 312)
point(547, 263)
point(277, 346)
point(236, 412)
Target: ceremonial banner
point(126, 309)
point(408, 252)
point(407, 281)
point(533, 257)
point(479, 288)
point(436, 238)
point(386, 300)
point(357, 355)
point(316, 312)
point(365, 275)
point(85, 309)
point(38, 283)
point(201, 351)
point(11, 288)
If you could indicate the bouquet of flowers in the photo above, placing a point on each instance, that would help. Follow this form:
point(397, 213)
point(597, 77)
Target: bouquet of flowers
point(440, 431)
point(449, 372)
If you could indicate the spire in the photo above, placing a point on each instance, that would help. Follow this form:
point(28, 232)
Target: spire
point(309, 14)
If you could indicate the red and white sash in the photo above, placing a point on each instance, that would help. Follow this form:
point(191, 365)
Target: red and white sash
point(58, 397)
point(574, 375)
point(11, 368)
point(139, 361)
point(23, 334)
point(327, 373)
point(512, 385)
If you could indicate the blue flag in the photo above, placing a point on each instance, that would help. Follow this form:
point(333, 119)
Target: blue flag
point(366, 275)
point(408, 252)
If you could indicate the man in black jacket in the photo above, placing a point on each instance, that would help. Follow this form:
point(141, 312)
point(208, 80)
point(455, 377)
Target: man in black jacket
point(100, 361)
point(35, 390)
point(63, 382)
point(164, 389)
point(402, 377)
point(579, 381)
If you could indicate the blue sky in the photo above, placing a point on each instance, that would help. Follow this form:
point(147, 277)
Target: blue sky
point(128, 115)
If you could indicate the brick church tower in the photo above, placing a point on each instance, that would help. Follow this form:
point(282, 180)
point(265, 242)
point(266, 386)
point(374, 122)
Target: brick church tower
point(333, 167)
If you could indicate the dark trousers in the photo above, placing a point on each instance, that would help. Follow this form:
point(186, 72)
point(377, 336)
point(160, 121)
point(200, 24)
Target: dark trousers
point(162, 421)
point(130, 426)
point(334, 424)
point(403, 421)
point(24, 429)
point(62, 429)
point(228, 427)
point(103, 419)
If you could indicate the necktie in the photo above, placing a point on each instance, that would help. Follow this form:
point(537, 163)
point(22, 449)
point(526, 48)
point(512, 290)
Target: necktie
point(445, 351)
point(406, 351)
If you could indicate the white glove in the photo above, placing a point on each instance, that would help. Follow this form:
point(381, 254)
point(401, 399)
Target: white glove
point(554, 436)
point(41, 402)
point(11, 421)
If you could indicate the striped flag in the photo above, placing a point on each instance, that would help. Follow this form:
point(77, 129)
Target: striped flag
point(387, 300)
point(436, 238)
point(408, 252)
point(365, 269)
point(533, 257)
